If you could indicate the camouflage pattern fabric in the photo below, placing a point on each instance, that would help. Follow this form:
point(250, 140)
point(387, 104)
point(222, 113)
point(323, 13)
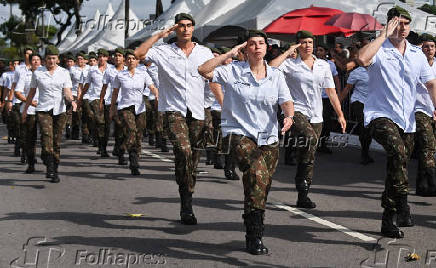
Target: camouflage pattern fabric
point(87, 119)
point(30, 136)
point(51, 127)
point(119, 130)
point(208, 140)
point(425, 147)
point(150, 110)
point(134, 125)
point(185, 134)
point(398, 146)
point(258, 164)
point(161, 127)
point(305, 139)
point(14, 122)
point(217, 134)
point(99, 119)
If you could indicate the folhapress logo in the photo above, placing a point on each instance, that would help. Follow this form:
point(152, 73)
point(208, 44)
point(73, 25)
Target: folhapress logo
point(38, 254)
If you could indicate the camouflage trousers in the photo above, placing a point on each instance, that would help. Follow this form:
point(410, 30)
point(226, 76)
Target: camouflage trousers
point(398, 146)
point(161, 124)
point(426, 148)
point(99, 119)
point(14, 123)
point(208, 140)
point(119, 130)
point(30, 130)
point(73, 118)
point(364, 133)
point(87, 119)
point(150, 115)
point(51, 127)
point(185, 134)
point(258, 164)
point(217, 134)
point(134, 125)
point(304, 138)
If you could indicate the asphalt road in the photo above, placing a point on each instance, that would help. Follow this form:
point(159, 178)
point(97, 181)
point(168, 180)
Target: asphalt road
point(83, 221)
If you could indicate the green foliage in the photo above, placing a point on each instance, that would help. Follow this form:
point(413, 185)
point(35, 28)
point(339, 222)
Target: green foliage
point(8, 52)
point(428, 8)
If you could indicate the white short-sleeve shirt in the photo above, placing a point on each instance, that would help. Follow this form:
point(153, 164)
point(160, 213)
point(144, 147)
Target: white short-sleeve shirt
point(95, 81)
point(334, 73)
point(8, 79)
point(51, 89)
point(306, 85)
point(181, 87)
point(423, 100)
point(108, 79)
point(76, 75)
point(23, 86)
point(131, 89)
point(250, 106)
point(359, 79)
point(392, 84)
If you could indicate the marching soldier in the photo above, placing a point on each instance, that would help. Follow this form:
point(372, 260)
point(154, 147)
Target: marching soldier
point(306, 77)
point(394, 69)
point(181, 98)
point(251, 86)
point(21, 92)
point(54, 85)
point(130, 85)
point(88, 130)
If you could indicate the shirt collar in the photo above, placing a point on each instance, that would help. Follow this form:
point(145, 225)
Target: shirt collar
point(409, 47)
point(246, 70)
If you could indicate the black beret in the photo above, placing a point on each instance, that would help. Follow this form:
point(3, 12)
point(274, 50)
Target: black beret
point(184, 16)
point(397, 11)
point(51, 50)
point(304, 34)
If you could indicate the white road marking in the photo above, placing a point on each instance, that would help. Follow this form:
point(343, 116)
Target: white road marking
point(327, 223)
point(296, 211)
point(164, 159)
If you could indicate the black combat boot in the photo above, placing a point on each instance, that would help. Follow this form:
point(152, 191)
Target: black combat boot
point(75, 133)
point(187, 216)
point(30, 164)
point(134, 163)
point(303, 200)
point(103, 144)
point(218, 162)
point(67, 132)
point(17, 150)
point(229, 168)
point(388, 228)
point(404, 219)
point(253, 222)
point(121, 158)
point(209, 160)
point(85, 139)
point(51, 172)
point(425, 185)
point(23, 157)
point(151, 139)
point(163, 145)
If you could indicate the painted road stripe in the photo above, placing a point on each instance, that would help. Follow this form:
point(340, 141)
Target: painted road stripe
point(327, 223)
point(157, 156)
point(296, 211)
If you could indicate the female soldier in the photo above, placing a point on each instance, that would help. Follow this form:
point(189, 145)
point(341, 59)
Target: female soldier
point(249, 121)
point(21, 92)
point(132, 106)
point(54, 85)
point(306, 77)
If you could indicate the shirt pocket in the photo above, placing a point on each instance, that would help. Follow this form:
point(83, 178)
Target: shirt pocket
point(244, 92)
point(267, 96)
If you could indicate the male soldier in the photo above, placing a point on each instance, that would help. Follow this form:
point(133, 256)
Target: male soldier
point(69, 64)
point(54, 85)
point(105, 103)
point(182, 98)
point(11, 109)
point(88, 133)
point(94, 82)
point(76, 73)
point(394, 68)
point(29, 125)
point(425, 128)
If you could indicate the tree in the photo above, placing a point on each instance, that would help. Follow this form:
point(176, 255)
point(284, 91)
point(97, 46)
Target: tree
point(32, 9)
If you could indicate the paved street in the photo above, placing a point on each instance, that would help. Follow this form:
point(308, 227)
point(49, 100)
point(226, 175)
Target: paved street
point(83, 221)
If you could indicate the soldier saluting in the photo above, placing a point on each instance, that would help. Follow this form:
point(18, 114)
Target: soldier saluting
point(181, 97)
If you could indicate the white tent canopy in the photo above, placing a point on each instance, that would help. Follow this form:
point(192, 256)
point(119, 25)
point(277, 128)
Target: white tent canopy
point(86, 31)
point(69, 38)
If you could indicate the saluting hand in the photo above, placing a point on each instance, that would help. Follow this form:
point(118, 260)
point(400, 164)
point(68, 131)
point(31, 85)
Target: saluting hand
point(293, 48)
point(389, 29)
point(168, 31)
point(234, 51)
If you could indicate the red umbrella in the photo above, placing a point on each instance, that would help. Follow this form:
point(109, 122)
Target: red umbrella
point(355, 21)
point(310, 19)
